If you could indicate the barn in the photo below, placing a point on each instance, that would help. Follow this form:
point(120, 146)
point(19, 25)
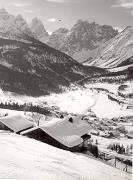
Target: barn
point(16, 123)
point(68, 133)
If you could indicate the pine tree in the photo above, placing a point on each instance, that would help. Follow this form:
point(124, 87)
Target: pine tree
point(96, 142)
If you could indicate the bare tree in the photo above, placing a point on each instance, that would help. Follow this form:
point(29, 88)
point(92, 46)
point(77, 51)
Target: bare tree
point(36, 118)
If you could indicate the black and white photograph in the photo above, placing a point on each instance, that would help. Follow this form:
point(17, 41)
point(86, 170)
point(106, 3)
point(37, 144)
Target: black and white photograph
point(66, 89)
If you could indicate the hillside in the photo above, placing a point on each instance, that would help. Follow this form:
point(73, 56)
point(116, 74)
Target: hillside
point(24, 158)
point(115, 53)
point(35, 68)
point(28, 66)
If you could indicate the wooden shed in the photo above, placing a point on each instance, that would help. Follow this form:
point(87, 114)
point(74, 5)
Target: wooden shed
point(68, 133)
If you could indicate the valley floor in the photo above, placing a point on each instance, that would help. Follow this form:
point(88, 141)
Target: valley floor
point(77, 101)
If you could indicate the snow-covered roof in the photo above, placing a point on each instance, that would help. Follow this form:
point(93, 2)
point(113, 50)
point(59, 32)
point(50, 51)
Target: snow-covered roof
point(16, 123)
point(66, 132)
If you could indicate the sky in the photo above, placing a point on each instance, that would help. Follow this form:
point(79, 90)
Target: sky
point(64, 13)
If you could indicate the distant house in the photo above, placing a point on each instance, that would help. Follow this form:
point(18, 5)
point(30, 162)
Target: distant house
point(130, 135)
point(15, 124)
point(68, 133)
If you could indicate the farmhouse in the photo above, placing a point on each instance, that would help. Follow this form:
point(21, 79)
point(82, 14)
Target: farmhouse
point(69, 133)
point(15, 124)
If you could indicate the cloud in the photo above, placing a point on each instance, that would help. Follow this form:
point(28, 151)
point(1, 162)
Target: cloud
point(64, 1)
point(126, 4)
point(56, 1)
point(20, 4)
point(52, 20)
point(131, 13)
point(28, 11)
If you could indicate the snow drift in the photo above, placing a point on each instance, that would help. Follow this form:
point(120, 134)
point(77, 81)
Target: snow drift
point(24, 158)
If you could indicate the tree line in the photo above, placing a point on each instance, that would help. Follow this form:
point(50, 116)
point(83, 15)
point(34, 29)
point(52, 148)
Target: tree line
point(25, 107)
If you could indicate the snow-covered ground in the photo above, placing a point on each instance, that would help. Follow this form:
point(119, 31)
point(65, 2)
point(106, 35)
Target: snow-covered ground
point(25, 158)
point(72, 102)
point(105, 108)
point(110, 87)
point(117, 69)
point(79, 101)
point(104, 142)
point(10, 112)
point(128, 126)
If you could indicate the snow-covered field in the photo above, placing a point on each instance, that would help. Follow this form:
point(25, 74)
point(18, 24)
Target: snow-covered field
point(24, 158)
point(105, 108)
point(110, 87)
point(73, 101)
point(79, 101)
point(104, 142)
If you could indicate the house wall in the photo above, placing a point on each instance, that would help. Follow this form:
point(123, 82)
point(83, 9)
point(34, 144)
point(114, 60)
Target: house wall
point(4, 127)
point(42, 136)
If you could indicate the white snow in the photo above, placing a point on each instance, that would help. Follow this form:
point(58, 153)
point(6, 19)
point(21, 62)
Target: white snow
point(73, 101)
point(77, 101)
point(24, 158)
point(110, 87)
point(106, 108)
point(120, 68)
point(104, 142)
point(6, 64)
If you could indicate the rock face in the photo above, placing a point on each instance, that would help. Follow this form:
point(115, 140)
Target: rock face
point(38, 30)
point(12, 27)
point(82, 38)
point(117, 52)
point(57, 38)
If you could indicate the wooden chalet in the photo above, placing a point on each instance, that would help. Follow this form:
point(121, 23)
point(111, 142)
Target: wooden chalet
point(15, 123)
point(68, 133)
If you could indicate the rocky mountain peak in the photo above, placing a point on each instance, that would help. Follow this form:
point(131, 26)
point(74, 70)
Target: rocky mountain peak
point(4, 15)
point(3, 11)
point(19, 18)
point(82, 37)
point(38, 30)
point(61, 30)
point(13, 27)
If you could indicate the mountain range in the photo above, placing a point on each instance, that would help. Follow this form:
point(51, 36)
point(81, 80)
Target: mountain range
point(81, 39)
point(28, 66)
point(79, 42)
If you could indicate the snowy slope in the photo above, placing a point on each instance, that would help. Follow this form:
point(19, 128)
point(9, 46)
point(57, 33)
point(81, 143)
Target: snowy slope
point(105, 108)
point(24, 158)
point(116, 52)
